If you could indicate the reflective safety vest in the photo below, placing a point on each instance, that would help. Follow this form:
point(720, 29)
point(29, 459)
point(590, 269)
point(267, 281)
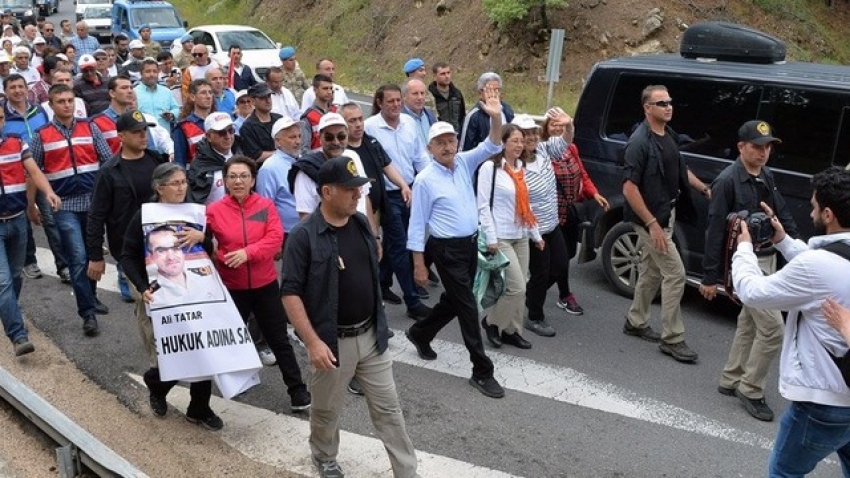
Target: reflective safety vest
point(194, 134)
point(110, 132)
point(70, 165)
point(13, 177)
point(313, 115)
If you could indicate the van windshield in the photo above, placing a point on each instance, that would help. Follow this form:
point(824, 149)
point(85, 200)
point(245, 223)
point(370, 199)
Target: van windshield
point(247, 40)
point(155, 17)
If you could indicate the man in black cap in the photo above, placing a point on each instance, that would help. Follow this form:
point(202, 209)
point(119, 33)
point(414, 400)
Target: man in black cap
point(122, 186)
point(256, 131)
point(743, 186)
point(344, 327)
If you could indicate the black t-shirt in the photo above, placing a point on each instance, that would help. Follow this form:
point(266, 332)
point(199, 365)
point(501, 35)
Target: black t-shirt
point(669, 161)
point(371, 163)
point(356, 283)
point(139, 172)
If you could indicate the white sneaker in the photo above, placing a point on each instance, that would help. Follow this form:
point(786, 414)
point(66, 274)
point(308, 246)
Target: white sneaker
point(267, 357)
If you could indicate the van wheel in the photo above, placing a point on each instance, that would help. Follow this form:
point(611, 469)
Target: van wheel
point(621, 258)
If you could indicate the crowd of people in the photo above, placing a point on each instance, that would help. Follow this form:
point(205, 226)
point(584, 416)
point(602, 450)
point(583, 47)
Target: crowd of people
point(344, 206)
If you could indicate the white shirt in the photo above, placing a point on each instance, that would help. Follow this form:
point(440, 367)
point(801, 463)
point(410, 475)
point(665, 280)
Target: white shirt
point(79, 109)
point(284, 103)
point(501, 221)
point(340, 98)
point(161, 136)
point(307, 197)
point(30, 74)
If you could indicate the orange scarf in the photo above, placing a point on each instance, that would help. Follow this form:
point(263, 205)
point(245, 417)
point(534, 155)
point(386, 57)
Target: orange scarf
point(524, 215)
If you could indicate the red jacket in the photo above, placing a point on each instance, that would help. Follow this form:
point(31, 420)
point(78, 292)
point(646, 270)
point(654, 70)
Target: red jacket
point(254, 226)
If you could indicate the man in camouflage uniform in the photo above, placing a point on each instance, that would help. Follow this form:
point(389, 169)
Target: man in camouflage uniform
point(293, 78)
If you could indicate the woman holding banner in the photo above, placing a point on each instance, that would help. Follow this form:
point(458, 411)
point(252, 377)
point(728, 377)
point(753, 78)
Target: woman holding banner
point(169, 185)
point(249, 233)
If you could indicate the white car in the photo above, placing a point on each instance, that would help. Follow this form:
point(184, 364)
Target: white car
point(82, 5)
point(258, 50)
point(99, 20)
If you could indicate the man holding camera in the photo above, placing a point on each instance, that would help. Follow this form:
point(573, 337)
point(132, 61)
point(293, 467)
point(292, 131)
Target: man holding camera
point(740, 189)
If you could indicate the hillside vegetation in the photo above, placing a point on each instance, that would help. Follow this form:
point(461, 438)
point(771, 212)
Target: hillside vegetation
point(371, 39)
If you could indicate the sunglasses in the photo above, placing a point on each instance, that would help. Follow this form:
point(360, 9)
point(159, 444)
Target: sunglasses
point(662, 104)
point(339, 137)
point(198, 55)
point(244, 102)
point(225, 132)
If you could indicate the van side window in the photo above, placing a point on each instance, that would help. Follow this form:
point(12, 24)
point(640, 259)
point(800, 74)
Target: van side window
point(808, 123)
point(697, 103)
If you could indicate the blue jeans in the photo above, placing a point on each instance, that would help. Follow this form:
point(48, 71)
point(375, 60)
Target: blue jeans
point(72, 230)
point(13, 243)
point(396, 256)
point(50, 231)
point(807, 434)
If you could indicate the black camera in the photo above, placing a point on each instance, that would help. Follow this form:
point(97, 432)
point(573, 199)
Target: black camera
point(758, 223)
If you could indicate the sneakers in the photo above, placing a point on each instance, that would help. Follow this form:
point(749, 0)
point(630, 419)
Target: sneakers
point(328, 469)
point(570, 305)
point(756, 407)
point(679, 351)
point(488, 386)
point(90, 328)
point(420, 312)
point(729, 392)
point(423, 293)
point(301, 400)
point(267, 357)
point(32, 271)
point(100, 308)
point(539, 327)
point(390, 297)
point(159, 406)
point(64, 275)
point(424, 350)
point(354, 387)
point(645, 333)
point(210, 422)
point(23, 346)
point(433, 278)
point(492, 333)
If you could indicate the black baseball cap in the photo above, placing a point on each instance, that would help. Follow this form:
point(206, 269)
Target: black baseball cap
point(132, 120)
point(341, 171)
point(260, 90)
point(757, 132)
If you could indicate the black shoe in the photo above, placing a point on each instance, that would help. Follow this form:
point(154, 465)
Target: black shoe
point(301, 400)
point(210, 422)
point(23, 346)
point(492, 333)
point(354, 387)
point(516, 340)
point(679, 351)
point(390, 297)
point(756, 407)
point(423, 293)
point(424, 350)
point(90, 328)
point(646, 333)
point(488, 386)
point(100, 308)
point(729, 392)
point(390, 333)
point(420, 312)
point(159, 406)
point(433, 278)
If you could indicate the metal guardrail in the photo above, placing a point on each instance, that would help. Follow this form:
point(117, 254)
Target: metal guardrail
point(77, 446)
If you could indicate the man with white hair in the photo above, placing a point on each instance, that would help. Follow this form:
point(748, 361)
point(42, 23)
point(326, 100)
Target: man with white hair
point(476, 125)
point(22, 65)
point(84, 43)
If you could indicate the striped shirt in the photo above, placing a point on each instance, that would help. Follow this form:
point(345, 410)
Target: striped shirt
point(542, 193)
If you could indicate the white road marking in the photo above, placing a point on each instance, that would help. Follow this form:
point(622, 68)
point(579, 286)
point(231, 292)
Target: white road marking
point(529, 376)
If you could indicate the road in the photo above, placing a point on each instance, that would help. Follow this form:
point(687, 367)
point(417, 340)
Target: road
point(590, 402)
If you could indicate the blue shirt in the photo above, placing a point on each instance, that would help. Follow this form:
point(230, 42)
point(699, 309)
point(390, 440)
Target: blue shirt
point(403, 145)
point(423, 120)
point(84, 46)
point(273, 183)
point(24, 125)
point(443, 199)
point(226, 103)
point(155, 102)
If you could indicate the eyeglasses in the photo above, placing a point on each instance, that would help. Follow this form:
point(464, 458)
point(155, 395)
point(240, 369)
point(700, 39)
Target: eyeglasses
point(163, 250)
point(243, 102)
point(176, 184)
point(339, 137)
point(198, 55)
point(235, 177)
point(662, 104)
point(48, 29)
point(225, 132)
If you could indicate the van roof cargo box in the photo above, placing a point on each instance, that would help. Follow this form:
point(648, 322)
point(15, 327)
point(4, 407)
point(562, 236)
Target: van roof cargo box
point(731, 42)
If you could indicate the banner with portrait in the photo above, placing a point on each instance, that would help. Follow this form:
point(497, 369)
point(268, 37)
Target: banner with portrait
point(198, 330)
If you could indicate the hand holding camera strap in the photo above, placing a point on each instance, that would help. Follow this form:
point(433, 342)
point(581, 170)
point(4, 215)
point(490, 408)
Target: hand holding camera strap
point(733, 230)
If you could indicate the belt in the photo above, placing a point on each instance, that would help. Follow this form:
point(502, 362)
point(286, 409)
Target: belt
point(354, 330)
point(10, 218)
point(473, 239)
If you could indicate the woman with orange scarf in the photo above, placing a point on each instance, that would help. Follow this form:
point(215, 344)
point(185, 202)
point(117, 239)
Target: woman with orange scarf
point(507, 221)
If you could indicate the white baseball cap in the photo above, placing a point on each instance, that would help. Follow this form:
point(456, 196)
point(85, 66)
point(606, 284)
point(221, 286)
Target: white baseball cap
point(217, 121)
point(136, 44)
point(241, 93)
point(87, 61)
point(440, 128)
point(331, 119)
point(39, 41)
point(282, 124)
point(61, 56)
point(524, 121)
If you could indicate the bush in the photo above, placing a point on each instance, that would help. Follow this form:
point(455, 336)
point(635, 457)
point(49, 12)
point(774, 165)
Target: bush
point(505, 12)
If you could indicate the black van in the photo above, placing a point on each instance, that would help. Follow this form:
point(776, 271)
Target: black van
point(807, 104)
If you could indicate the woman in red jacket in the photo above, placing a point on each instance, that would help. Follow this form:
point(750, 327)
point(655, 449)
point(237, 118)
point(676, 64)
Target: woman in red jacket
point(574, 185)
point(249, 234)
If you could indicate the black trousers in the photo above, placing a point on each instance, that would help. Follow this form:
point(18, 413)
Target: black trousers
point(457, 262)
point(570, 232)
point(546, 267)
point(199, 393)
point(268, 311)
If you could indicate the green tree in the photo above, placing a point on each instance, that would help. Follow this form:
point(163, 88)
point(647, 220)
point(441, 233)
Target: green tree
point(506, 12)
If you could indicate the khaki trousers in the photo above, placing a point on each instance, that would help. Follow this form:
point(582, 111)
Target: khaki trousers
point(509, 310)
point(359, 357)
point(758, 339)
point(145, 327)
point(659, 270)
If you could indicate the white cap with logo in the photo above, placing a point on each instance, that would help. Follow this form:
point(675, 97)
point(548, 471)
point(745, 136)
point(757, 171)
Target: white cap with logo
point(217, 121)
point(281, 124)
point(331, 119)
